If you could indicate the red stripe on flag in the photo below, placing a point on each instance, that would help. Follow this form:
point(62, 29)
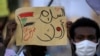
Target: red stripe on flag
point(26, 14)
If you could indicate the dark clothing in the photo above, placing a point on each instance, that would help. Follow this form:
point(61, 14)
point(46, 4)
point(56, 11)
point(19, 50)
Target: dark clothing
point(2, 51)
point(37, 50)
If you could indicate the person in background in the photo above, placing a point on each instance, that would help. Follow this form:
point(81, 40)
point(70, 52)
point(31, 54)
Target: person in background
point(11, 26)
point(85, 34)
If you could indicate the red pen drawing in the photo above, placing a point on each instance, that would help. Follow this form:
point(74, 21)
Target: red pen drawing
point(28, 33)
point(27, 27)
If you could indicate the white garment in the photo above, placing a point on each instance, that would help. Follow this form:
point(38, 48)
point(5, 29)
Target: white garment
point(21, 54)
point(10, 52)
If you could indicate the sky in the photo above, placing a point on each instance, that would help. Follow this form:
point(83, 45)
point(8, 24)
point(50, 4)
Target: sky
point(73, 8)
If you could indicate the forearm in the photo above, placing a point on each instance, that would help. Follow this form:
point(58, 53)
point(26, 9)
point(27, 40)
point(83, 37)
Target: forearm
point(7, 39)
point(11, 27)
point(6, 42)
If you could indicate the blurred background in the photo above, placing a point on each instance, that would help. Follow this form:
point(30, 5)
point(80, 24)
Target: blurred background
point(73, 9)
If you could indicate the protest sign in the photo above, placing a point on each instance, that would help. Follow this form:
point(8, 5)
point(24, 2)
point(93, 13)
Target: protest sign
point(41, 26)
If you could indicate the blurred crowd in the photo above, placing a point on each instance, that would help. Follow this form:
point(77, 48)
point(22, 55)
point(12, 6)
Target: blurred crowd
point(8, 27)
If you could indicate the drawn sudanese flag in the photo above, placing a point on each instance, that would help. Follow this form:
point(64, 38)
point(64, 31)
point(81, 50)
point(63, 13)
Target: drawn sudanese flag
point(27, 26)
point(24, 16)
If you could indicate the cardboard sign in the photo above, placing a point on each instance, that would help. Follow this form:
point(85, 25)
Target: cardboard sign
point(41, 26)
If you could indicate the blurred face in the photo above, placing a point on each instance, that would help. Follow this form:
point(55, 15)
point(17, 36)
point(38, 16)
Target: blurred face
point(85, 33)
point(85, 41)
